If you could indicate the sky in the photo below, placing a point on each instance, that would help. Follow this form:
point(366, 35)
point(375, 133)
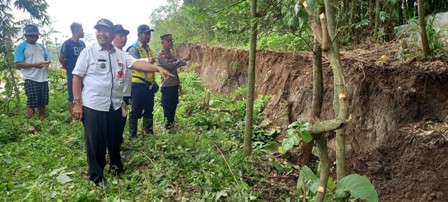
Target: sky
point(129, 13)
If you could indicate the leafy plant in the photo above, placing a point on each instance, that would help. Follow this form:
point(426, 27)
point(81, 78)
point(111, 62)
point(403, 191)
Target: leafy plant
point(297, 132)
point(355, 186)
point(434, 35)
point(350, 187)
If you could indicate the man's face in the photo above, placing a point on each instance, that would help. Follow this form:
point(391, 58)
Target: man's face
point(167, 43)
point(120, 40)
point(81, 32)
point(104, 37)
point(32, 39)
point(144, 37)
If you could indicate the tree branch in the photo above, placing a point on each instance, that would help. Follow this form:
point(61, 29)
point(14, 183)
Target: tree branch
point(315, 23)
point(326, 41)
point(325, 126)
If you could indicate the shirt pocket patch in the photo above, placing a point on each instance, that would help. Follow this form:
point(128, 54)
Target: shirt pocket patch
point(101, 65)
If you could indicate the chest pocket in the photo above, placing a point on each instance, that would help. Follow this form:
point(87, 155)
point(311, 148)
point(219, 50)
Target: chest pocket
point(100, 70)
point(101, 66)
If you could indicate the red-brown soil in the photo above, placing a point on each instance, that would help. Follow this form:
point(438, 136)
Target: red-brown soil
point(398, 133)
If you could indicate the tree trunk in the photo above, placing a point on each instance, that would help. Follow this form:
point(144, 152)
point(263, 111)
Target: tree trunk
point(371, 13)
point(318, 81)
point(331, 13)
point(251, 75)
point(351, 18)
point(339, 86)
point(321, 142)
point(339, 83)
point(422, 22)
point(377, 19)
point(318, 96)
point(400, 13)
point(320, 31)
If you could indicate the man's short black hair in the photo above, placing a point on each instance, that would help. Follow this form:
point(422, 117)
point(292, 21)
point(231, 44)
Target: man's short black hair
point(75, 27)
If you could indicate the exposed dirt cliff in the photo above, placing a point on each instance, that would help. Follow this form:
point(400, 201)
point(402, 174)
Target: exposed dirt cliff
point(398, 133)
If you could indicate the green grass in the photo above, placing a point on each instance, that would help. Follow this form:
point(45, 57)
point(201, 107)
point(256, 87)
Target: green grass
point(201, 161)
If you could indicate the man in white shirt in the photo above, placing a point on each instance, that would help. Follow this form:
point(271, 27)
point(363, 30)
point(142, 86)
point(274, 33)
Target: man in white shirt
point(100, 69)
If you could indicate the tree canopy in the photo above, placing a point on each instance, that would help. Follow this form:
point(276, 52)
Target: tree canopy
point(282, 24)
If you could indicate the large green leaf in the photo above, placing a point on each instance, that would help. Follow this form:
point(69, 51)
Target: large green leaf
point(306, 136)
point(306, 174)
point(222, 193)
point(265, 122)
point(270, 147)
point(56, 171)
point(358, 186)
point(289, 142)
point(63, 178)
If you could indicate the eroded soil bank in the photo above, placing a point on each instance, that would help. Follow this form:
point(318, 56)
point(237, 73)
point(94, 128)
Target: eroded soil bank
point(398, 134)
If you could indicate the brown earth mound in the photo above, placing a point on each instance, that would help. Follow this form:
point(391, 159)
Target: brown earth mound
point(398, 134)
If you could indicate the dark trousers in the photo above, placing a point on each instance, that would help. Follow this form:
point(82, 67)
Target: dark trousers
point(101, 130)
point(142, 101)
point(170, 99)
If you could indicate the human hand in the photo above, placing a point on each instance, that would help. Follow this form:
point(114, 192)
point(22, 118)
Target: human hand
point(43, 64)
point(77, 110)
point(47, 63)
point(151, 60)
point(164, 73)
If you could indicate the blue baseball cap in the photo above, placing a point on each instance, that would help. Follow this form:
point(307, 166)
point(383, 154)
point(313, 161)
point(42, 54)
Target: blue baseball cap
point(144, 28)
point(119, 29)
point(105, 24)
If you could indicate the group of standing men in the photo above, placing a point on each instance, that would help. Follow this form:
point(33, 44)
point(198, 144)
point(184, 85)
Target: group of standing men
point(101, 80)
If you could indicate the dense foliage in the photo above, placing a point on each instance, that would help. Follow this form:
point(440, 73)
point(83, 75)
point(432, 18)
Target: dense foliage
point(282, 25)
point(212, 22)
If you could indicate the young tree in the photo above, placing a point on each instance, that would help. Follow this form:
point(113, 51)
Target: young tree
point(251, 75)
point(377, 19)
point(422, 22)
point(321, 32)
point(331, 13)
point(318, 98)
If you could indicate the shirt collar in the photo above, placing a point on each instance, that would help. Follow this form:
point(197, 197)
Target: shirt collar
point(142, 45)
point(99, 48)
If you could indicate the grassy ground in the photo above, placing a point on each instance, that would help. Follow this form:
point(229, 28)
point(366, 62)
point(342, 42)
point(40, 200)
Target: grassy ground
point(200, 161)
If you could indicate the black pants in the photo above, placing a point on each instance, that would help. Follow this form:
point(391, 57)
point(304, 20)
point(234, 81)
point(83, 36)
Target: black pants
point(142, 101)
point(101, 130)
point(170, 99)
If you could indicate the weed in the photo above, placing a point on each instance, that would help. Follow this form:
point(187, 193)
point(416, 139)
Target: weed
point(201, 161)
